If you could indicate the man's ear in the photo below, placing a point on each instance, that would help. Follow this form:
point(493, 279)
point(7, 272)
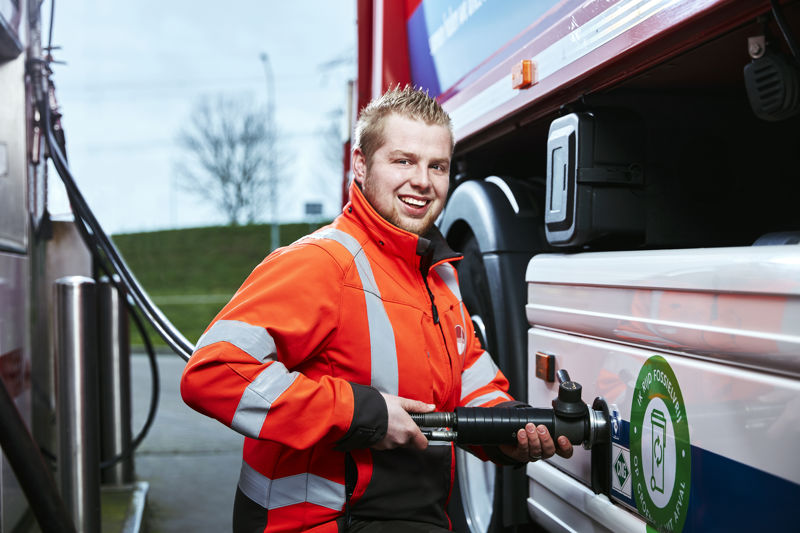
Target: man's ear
point(359, 166)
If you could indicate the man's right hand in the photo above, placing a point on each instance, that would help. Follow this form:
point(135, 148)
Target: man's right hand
point(402, 431)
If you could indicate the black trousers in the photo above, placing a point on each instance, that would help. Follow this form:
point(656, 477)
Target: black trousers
point(393, 526)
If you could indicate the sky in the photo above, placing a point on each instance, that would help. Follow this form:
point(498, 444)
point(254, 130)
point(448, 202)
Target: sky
point(134, 71)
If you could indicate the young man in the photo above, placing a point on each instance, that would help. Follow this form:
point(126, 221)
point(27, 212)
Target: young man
point(331, 341)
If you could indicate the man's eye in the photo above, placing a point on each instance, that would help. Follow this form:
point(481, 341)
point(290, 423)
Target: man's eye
point(403, 162)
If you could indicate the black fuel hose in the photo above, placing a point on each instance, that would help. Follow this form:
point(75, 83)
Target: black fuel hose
point(108, 259)
point(155, 390)
point(174, 338)
point(483, 426)
point(133, 313)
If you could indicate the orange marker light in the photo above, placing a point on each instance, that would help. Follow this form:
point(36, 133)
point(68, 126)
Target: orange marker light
point(522, 74)
point(546, 366)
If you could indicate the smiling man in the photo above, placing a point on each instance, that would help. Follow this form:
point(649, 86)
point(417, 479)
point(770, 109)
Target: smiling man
point(409, 173)
point(333, 340)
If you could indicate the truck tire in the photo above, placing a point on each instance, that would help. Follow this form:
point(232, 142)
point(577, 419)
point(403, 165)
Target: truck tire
point(497, 237)
point(486, 499)
point(474, 488)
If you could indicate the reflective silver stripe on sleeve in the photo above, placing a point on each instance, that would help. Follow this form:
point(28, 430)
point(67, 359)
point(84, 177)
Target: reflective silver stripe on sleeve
point(253, 340)
point(486, 398)
point(383, 351)
point(259, 396)
point(291, 490)
point(447, 272)
point(481, 373)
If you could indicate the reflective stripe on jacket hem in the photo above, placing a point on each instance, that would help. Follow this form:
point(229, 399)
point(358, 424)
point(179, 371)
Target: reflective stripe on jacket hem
point(291, 490)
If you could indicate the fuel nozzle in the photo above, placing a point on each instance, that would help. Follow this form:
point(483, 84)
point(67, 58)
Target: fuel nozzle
point(569, 416)
point(568, 403)
point(575, 418)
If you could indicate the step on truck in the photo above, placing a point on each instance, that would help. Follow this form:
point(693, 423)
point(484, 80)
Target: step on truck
point(625, 194)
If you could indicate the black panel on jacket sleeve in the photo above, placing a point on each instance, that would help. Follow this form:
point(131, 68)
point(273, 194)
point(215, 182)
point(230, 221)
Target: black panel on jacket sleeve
point(370, 419)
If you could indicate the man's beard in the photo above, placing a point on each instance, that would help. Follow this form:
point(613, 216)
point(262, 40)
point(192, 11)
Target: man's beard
point(418, 226)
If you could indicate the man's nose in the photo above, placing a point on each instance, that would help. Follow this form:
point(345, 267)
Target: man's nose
point(421, 178)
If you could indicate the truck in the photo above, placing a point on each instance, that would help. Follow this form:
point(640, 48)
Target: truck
point(624, 193)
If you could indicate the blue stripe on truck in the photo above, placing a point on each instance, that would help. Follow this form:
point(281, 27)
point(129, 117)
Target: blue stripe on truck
point(727, 495)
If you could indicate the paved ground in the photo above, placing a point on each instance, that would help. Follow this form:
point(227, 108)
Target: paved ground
point(191, 462)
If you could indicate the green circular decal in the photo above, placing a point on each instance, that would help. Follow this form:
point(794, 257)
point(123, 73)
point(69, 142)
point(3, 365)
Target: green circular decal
point(660, 447)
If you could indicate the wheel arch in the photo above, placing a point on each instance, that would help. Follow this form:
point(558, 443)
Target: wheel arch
point(496, 209)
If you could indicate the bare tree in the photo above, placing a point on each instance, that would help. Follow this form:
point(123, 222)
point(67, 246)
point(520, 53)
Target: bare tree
point(231, 156)
point(331, 147)
point(332, 139)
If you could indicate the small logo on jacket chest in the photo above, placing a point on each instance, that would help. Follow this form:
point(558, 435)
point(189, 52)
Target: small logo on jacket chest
point(461, 339)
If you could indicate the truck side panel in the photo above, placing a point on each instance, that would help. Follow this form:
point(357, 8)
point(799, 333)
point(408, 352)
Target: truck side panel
point(716, 382)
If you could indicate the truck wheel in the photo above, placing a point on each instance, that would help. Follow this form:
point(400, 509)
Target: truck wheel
point(472, 504)
point(497, 224)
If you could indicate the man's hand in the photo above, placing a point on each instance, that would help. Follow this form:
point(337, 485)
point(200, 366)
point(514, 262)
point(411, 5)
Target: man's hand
point(534, 443)
point(402, 431)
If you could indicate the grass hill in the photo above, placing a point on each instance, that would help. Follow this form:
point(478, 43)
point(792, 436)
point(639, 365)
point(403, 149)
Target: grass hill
point(191, 273)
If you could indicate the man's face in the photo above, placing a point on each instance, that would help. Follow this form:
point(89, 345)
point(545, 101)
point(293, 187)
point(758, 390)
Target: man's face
point(408, 177)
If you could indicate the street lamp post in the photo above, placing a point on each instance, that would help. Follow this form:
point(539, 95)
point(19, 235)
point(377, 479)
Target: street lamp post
point(272, 180)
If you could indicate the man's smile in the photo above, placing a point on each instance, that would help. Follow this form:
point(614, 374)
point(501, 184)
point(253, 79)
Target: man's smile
point(414, 201)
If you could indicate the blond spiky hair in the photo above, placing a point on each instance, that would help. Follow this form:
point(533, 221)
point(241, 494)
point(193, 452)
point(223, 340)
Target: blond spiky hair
point(410, 102)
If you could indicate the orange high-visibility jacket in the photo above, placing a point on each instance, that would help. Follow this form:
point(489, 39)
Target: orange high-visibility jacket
point(296, 360)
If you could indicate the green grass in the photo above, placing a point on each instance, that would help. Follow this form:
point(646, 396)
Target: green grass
point(191, 273)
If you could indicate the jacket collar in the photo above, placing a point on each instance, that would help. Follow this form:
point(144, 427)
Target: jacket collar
point(425, 252)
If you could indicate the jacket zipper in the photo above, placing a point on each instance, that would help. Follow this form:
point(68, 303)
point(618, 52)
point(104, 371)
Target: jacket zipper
point(434, 311)
point(436, 321)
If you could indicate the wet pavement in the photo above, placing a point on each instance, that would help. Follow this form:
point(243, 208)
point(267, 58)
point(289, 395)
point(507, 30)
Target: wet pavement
point(190, 461)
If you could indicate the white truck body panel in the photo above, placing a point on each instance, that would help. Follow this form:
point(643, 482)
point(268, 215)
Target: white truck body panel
point(727, 323)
